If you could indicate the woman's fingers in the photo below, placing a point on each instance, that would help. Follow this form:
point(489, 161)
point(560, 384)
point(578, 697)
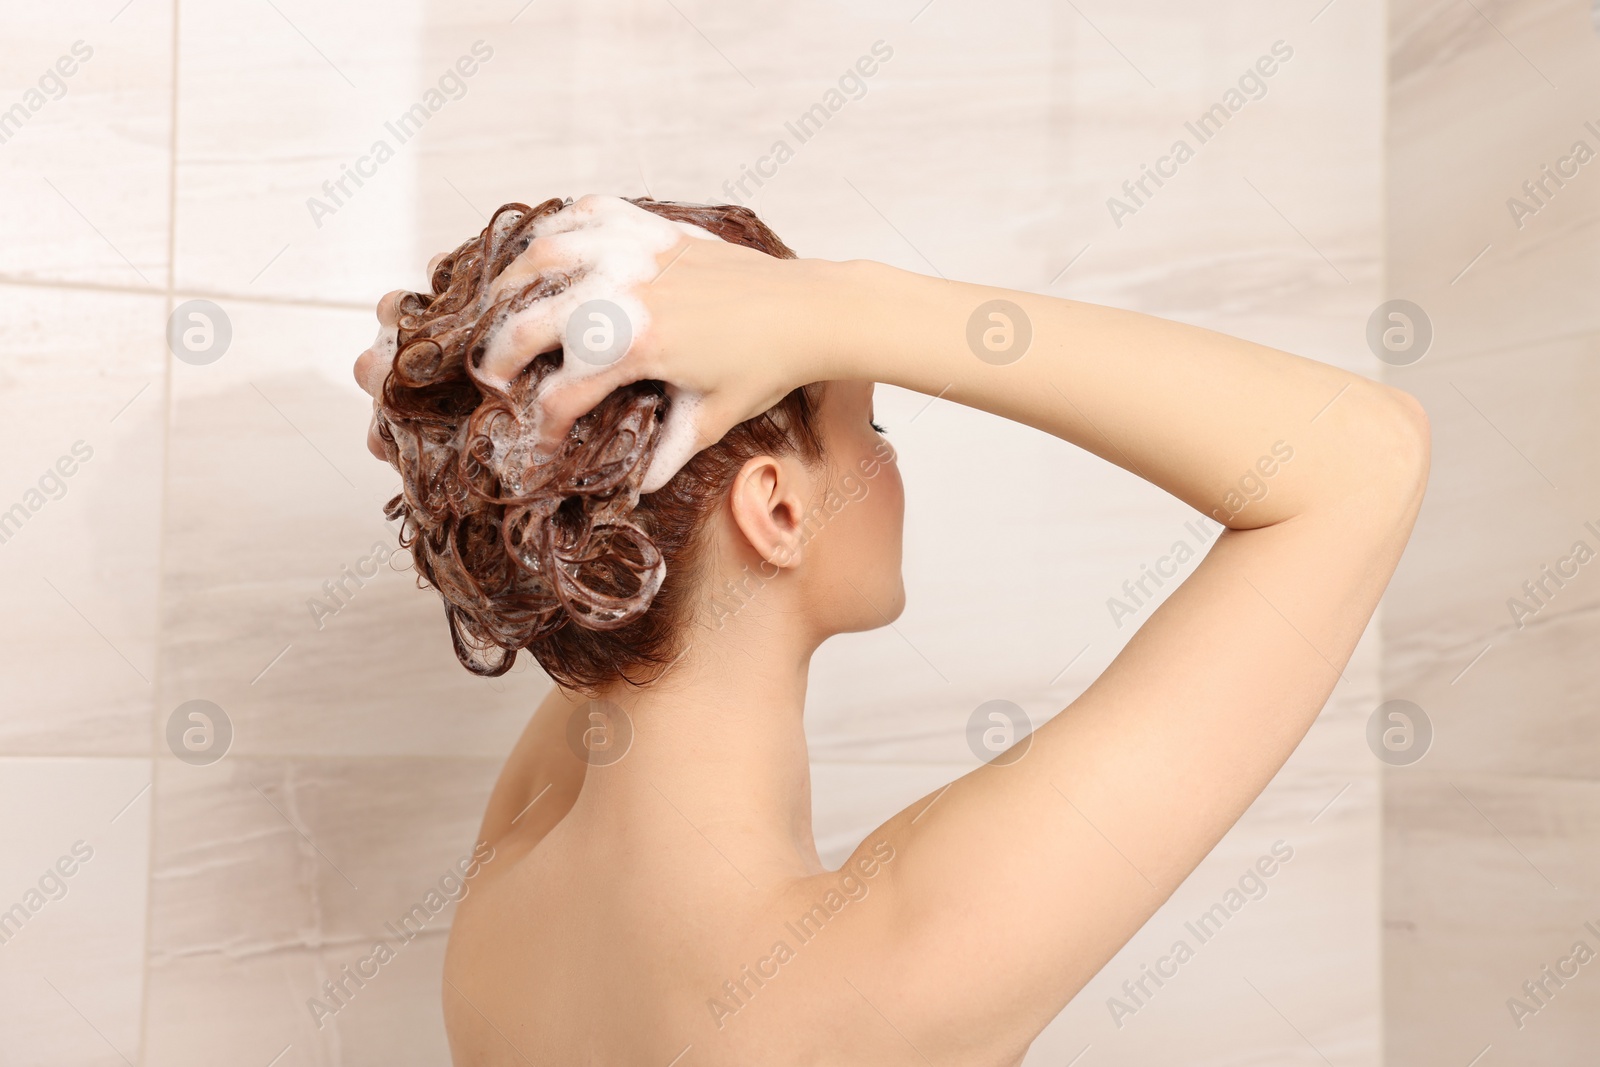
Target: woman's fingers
point(372, 366)
point(603, 253)
point(560, 254)
point(389, 307)
point(597, 267)
point(564, 398)
point(375, 442)
point(608, 250)
point(525, 335)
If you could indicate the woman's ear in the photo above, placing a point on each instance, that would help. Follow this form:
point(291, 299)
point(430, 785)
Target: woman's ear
point(768, 502)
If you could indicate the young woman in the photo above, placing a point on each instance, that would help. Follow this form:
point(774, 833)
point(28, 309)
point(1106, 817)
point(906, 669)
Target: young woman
point(654, 894)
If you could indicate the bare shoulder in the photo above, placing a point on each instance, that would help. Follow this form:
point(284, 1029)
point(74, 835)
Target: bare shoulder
point(539, 781)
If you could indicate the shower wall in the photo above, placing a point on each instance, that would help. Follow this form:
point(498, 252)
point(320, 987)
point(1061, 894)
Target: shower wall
point(224, 542)
point(1491, 865)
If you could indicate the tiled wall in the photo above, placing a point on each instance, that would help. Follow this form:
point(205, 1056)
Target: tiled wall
point(1492, 842)
point(182, 560)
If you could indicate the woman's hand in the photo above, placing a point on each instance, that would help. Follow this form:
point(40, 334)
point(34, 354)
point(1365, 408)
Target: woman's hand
point(727, 328)
point(373, 365)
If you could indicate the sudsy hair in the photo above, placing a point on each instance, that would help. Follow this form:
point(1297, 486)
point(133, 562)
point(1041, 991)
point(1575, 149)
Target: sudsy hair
point(564, 558)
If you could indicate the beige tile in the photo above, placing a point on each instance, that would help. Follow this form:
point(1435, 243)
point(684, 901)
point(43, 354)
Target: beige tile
point(1525, 708)
point(276, 98)
point(1475, 114)
point(1269, 231)
point(397, 1018)
point(1513, 479)
point(1487, 880)
point(87, 156)
point(81, 393)
point(271, 876)
point(1489, 841)
point(1508, 687)
point(72, 909)
point(642, 98)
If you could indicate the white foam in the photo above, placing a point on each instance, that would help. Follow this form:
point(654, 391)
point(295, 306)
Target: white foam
point(679, 441)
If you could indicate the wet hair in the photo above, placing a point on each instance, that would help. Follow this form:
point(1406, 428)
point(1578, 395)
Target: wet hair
point(564, 558)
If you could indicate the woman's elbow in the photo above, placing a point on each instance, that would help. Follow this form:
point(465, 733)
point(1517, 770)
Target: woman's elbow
point(1404, 442)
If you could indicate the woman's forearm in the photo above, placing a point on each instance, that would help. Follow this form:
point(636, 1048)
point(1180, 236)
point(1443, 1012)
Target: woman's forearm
point(1196, 412)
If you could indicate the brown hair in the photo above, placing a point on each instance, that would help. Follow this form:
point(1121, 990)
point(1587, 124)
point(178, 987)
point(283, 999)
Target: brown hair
point(564, 558)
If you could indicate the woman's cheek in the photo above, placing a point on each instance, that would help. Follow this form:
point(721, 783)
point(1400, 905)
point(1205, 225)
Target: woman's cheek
point(899, 497)
point(885, 494)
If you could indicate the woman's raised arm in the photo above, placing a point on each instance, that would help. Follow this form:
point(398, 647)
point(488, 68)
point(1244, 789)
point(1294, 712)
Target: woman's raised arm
point(1025, 877)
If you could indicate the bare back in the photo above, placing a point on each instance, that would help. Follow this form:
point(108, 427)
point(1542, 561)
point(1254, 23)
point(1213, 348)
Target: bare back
point(581, 943)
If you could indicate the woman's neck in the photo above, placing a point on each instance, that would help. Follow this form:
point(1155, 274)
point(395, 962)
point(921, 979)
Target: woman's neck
point(719, 744)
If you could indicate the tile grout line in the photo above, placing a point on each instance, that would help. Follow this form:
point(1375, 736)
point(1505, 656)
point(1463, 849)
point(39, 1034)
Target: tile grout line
point(217, 294)
point(1380, 894)
point(302, 757)
point(156, 672)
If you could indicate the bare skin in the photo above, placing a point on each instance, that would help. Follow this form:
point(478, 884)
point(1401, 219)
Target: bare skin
point(623, 895)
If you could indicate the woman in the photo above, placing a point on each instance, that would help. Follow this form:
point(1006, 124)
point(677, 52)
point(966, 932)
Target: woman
point(654, 894)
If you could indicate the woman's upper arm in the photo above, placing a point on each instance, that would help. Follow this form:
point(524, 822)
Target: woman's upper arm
point(1025, 878)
